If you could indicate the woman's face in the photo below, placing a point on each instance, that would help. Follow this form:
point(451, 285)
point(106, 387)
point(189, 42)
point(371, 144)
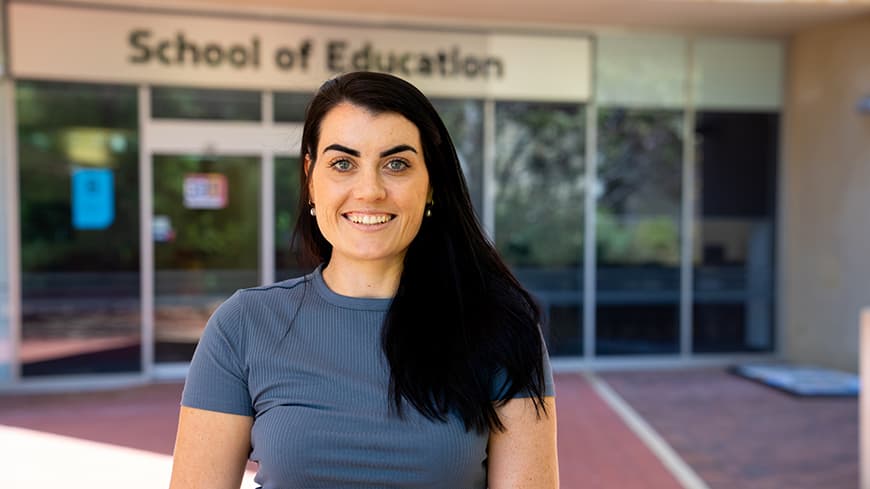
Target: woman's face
point(369, 185)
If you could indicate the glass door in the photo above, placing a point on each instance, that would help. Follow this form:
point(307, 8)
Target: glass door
point(205, 231)
point(211, 162)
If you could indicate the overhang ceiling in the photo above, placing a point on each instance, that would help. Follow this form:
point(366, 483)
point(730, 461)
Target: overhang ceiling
point(758, 17)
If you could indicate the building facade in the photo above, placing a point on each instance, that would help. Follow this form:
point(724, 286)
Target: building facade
point(632, 179)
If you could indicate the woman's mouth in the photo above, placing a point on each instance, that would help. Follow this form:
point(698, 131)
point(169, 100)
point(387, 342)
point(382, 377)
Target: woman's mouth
point(368, 219)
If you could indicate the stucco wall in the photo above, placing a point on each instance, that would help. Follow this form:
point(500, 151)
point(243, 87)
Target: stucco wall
point(825, 234)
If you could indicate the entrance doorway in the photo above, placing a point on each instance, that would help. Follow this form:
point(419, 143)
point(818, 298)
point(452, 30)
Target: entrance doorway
point(209, 221)
point(205, 229)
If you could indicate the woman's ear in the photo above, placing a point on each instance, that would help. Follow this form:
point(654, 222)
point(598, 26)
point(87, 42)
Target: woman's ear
point(306, 162)
point(429, 195)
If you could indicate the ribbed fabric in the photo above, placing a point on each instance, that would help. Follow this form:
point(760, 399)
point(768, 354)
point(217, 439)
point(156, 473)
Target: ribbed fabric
point(307, 364)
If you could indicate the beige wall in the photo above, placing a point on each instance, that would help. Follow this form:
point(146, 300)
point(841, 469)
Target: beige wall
point(825, 234)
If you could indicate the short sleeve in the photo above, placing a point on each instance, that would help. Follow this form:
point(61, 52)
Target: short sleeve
point(501, 383)
point(217, 379)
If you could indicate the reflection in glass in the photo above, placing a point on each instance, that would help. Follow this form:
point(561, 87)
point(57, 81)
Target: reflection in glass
point(290, 106)
point(286, 201)
point(201, 103)
point(734, 232)
point(539, 210)
point(464, 121)
point(638, 231)
point(79, 215)
point(206, 243)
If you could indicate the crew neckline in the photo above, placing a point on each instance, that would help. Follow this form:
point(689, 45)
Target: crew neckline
point(360, 303)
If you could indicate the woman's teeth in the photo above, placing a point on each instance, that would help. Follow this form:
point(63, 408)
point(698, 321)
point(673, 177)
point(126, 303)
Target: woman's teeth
point(369, 219)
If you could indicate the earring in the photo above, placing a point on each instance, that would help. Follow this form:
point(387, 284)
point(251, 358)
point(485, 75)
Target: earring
point(429, 208)
point(311, 210)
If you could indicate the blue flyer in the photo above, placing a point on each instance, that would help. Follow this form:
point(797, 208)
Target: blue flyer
point(93, 198)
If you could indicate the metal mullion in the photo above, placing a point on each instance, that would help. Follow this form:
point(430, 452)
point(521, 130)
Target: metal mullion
point(194, 137)
point(489, 155)
point(589, 233)
point(687, 238)
point(267, 200)
point(13, 249)
point(146, 242)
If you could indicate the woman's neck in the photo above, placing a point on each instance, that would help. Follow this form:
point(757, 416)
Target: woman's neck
point(366, 280)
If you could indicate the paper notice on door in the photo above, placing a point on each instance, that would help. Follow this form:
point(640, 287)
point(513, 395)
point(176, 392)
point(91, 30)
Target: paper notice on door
point(93, 198)
point(205, 191)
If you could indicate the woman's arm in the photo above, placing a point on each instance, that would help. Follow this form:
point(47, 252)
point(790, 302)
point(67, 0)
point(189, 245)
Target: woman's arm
point(524, 455)
point(211, 450)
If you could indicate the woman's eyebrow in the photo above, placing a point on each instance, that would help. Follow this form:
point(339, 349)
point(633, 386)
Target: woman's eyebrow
point(353, 152)
point(343, 149)
point(398, 149)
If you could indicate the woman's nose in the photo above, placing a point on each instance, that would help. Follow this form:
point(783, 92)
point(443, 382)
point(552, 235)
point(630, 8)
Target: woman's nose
point(371, 186)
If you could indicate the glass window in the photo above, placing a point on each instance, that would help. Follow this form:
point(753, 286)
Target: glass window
point(206, 243)
point(734, 231)
point(638, 231)
point(738, 74)
point(539, 173)
point(209, 104)
point(464, 122)
point(79, 214)
point(641, 71)
point(290, 106)
point(286, 212)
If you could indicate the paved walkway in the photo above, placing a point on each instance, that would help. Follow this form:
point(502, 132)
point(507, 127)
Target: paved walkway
point(738, 434)
point(733, 433)
point(124, 438)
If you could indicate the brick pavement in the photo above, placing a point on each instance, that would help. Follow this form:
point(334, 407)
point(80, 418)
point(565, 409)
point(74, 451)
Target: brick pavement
point(737, 433)
point(734, 433)
point(143, 417)
point(596, 450)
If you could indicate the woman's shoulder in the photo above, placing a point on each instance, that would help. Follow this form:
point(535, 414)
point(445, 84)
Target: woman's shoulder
point(275, 291)
point(261, 310)
point(259, 301)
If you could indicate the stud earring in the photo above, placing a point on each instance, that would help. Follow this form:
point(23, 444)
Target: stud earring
point(311, 210)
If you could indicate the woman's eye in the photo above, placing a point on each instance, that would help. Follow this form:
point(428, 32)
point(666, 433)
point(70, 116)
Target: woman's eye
point(341, 165)
point(397, 165)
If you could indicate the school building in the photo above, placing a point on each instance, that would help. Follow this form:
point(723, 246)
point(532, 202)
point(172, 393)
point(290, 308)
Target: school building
point(677, 182)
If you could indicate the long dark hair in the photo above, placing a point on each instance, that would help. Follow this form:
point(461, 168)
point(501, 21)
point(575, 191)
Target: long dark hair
point(460, 319)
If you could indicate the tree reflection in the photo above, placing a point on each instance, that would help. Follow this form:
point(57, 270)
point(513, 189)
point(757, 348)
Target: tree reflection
point(540, 180)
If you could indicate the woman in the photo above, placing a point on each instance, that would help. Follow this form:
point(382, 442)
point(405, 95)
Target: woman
point(410, 357)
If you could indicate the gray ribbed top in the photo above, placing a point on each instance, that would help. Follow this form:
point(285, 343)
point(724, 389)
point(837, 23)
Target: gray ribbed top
point(317, 390)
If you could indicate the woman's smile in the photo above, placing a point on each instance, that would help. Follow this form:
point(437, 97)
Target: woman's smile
point(368, 219)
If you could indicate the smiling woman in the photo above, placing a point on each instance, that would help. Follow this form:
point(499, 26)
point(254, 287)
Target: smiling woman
point(410, 358)
point(369, 193)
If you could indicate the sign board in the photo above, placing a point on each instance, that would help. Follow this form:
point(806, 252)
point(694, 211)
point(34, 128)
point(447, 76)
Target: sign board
point(205, 191)
point(90, 44)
